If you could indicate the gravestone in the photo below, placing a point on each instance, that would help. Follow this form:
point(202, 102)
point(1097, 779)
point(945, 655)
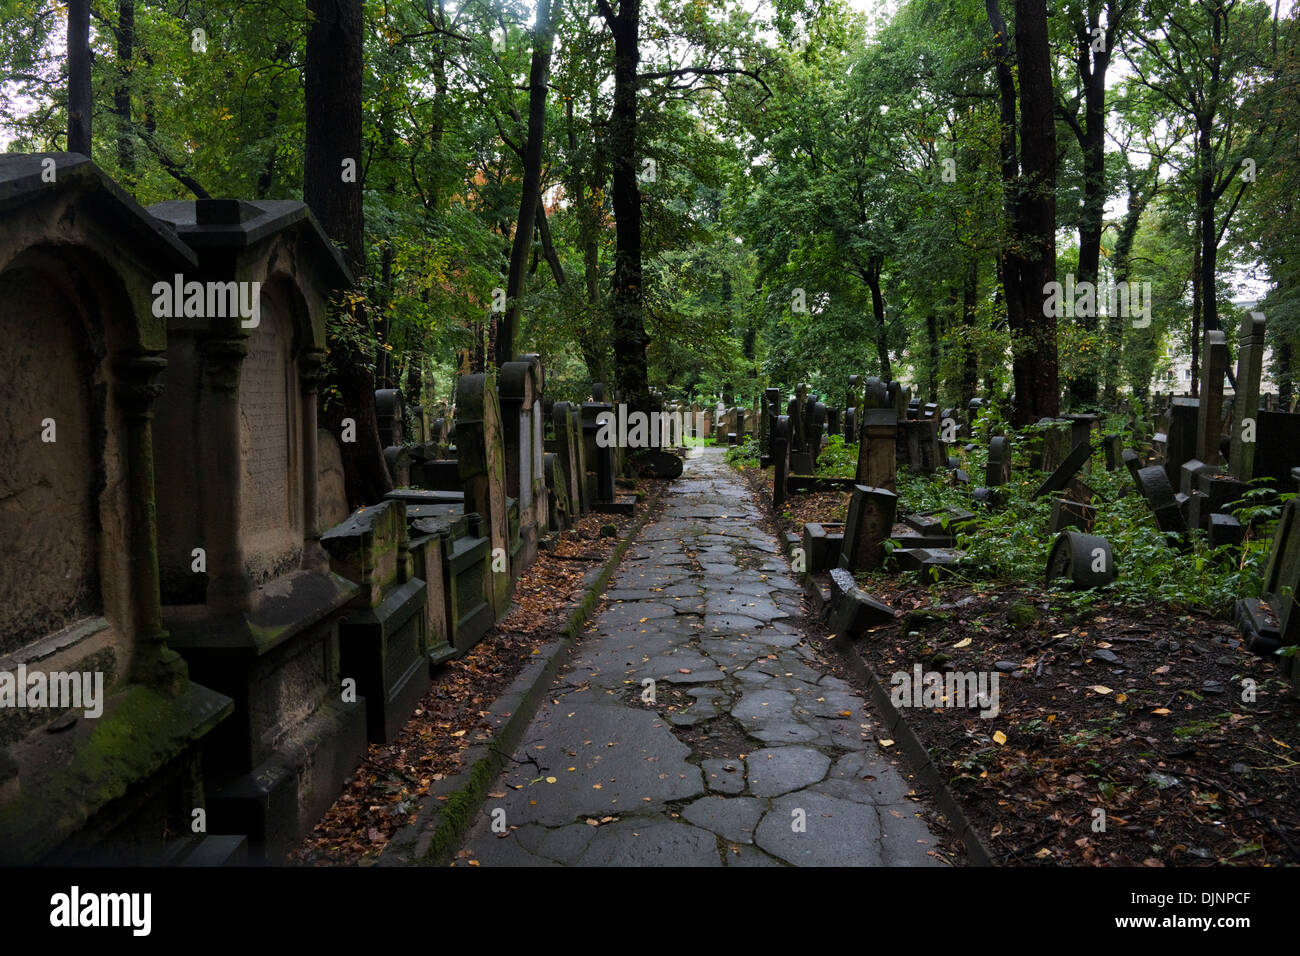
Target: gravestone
point(240, 421)
point(391, 414)
point(1209, 420)
point(870, 522)
point(521, 422)
point(998, 470)
point(558, 515)
point(481, 465)
point(1273, 621)
point(1245, 405)
point(1066, 470)
point(1067, 513)
point(1084, 560)
point(877, 453)
point(780, 459)
point(1180, 436)
point(568, 448)
point(82, 353)
point(382, 643)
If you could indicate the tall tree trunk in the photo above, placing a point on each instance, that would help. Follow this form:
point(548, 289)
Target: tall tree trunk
point(1198, 305)
point(1092, 66)
point(332, 81)
point(79, 104)
point(872, 277)
point(516, 282)
point(1027, 263)
point(122, 92)
point(626, 299)
point(970, 355)
point(1036, 229)
point(1140, 193)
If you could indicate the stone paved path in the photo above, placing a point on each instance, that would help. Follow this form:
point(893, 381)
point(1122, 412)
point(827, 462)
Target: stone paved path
point(748, 737)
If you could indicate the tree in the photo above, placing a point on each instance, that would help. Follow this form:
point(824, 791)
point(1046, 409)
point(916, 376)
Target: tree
point(332, 188)
point(530, 197)
point(1027, 264)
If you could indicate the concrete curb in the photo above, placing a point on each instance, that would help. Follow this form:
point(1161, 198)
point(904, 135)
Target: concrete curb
point(448, 813)
point(926, 771)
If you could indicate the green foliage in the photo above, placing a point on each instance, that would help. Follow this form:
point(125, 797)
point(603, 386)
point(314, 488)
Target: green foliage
point(744, 455)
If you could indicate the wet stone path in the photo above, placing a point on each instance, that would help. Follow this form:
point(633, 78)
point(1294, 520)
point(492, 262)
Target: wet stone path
point(750, 754)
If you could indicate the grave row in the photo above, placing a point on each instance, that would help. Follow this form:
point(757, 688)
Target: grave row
point(176, 521)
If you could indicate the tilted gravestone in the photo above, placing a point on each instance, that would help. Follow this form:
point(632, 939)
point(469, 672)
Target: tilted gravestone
point(1154, 484)
point(240, 419)
point(82, 351)
point(1273, 620)
point(870, 523)
point(1066, 470)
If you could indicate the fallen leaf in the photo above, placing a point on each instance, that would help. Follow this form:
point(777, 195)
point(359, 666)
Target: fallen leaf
point(999, 737)
point(964, 642)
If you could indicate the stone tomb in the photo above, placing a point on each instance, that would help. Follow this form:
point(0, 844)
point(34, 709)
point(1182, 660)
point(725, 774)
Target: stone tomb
point(453, 560)
point(258, 619)
point(83, 359)
point(382, 641)
point(522, 423)
point(481, 462)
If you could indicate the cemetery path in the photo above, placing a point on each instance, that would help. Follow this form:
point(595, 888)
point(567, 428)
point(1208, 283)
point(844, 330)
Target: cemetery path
point(751, 754)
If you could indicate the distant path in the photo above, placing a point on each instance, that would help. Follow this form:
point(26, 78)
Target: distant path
point(705, 606)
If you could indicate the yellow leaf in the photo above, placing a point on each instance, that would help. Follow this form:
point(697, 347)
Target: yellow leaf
point(1043, 852)
point(999, 737)
point(596, 786)
point(1100, 689)
point(1162, 711)
point(846, 713)
point(550, 780)
point(458, 733)
point(963, 642)
point(885, 743)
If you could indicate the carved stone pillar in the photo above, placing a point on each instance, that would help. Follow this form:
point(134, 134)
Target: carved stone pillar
point(153, 663)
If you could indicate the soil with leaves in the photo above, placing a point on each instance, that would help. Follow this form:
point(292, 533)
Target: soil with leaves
point(1121, 738)
point(384, 792)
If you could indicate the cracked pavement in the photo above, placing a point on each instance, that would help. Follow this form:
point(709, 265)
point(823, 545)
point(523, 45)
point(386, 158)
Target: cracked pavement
point(751, 754)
